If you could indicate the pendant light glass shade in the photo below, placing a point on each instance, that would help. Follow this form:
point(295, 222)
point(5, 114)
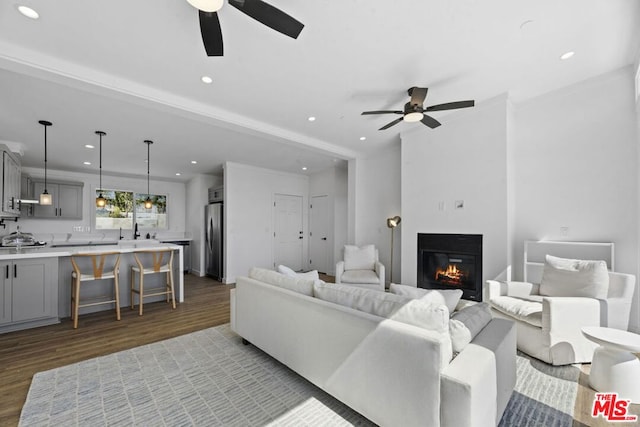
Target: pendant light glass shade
point(45, 197)
point(101, 202)
point(148, 204)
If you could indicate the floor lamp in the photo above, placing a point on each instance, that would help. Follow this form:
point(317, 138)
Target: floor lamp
point(392, 223)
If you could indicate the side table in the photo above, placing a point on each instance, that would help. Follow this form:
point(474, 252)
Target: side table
point(614, 368)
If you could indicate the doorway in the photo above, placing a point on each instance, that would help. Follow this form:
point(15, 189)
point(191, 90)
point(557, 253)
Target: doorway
point(319, 233)
point(288, 232)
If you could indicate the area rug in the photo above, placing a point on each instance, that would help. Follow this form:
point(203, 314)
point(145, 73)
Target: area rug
point(210, 378)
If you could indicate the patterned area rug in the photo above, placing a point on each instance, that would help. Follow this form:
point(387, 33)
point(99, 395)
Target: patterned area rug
point(209, 378)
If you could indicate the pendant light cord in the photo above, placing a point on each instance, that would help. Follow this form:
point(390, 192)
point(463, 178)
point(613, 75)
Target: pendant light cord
point(100, 161)
point(45, 158)
point(148, 161)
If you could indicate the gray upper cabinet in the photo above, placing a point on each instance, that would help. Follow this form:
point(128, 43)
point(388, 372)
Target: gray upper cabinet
point(67, 200)
point(11, 171)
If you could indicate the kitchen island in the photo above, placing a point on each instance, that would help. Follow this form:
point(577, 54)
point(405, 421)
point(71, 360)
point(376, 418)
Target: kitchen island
point(35, 282)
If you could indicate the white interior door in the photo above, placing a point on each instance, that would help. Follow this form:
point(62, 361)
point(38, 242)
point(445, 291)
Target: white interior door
point(319, 234)
point(288, 232)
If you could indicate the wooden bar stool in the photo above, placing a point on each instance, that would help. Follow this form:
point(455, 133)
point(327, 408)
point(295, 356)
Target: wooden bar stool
point(112, 262)
point(158, 266)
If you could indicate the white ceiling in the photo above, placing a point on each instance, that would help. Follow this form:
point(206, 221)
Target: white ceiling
point(133, 68)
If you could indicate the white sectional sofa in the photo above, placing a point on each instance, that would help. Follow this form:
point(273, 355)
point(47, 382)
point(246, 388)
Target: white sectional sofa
point(393, 373)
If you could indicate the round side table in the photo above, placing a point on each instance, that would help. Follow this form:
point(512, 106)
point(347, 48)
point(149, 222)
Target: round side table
point(614, 368)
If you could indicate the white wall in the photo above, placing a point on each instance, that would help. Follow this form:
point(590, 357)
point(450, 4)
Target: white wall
point(249, 197)
point(197, 198)
point(464, 159)
point(377, 197)
point(175, 192)
point(577, 167)
point(341, 215)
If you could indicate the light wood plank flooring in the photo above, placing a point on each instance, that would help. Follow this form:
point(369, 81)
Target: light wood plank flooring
point(24, 353)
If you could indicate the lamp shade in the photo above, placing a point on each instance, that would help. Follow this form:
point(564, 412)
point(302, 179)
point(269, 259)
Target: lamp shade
point(207, 5)
point(393, 221)
point(101, 202)
point(45, 198)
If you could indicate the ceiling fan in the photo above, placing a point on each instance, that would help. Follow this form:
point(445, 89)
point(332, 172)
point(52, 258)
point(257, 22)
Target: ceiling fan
point(414, 110)
point(257, 9)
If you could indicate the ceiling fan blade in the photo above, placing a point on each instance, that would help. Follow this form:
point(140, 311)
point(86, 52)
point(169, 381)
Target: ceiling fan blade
point(430, 121)
point(364, 113)
point(388, 125)
point(451, 106)
point(417, 94)
point(211, 33)
point(270, 16)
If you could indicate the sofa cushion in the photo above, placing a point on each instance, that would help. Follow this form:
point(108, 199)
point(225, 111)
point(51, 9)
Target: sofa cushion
point(526, 309)
point(296, 284)
point(448, 297)
point(313, 274)
point(465, 324)
point(360, 276)
point(563, 277)
point(359, 258)
point(415, 312)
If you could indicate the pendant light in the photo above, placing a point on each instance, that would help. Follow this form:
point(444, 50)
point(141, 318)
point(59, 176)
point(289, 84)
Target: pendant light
point(45, 197)
point(101, 202)
point(148, 203)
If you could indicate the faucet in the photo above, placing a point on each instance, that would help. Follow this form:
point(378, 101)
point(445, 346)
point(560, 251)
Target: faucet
point(136, 234)
point(121, 236)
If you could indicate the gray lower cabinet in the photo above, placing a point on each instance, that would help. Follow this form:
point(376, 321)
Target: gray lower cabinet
point(29, 293)
point(67, 200)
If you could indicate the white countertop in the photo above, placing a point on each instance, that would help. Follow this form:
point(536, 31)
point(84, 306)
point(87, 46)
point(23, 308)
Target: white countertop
point(49, 252)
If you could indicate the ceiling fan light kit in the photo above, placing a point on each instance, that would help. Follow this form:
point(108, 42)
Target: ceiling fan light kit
point(414, 110)
point(207, 5)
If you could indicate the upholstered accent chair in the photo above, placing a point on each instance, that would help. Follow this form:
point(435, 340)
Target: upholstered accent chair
point(571, 294)
point(361, 267)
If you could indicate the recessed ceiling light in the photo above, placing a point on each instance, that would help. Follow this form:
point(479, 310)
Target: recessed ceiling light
point(304, 168)
point(87, 163)
point(178, 174)
point(89, 146)
point(28, 12)
point(193, 162)
point(206, 79)
point(362, 138)
point(567, 55)
point(312, 119)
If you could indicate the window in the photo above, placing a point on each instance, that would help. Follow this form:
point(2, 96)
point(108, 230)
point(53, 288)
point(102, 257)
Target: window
point(125, 208)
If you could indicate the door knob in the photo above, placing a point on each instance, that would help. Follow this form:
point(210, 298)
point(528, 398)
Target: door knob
point(300, 237)
point(324, 238)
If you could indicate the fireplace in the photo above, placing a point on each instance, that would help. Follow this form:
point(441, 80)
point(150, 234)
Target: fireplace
point(451, 261)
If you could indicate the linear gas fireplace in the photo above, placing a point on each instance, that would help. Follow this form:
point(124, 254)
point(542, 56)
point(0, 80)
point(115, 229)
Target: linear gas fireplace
point(451, 261)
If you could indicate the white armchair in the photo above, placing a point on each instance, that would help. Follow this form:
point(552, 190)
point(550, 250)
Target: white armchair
point(361, 268)
point(549, 327)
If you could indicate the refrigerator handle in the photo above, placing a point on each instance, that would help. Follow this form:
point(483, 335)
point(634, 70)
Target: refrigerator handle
point(209, 235)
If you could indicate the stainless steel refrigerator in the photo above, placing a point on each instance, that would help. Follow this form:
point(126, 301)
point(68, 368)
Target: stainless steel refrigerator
point(213, 240)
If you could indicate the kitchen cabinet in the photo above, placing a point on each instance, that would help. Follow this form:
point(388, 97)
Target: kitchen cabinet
point(67, 200)
point(29, 291)
point(11, 172)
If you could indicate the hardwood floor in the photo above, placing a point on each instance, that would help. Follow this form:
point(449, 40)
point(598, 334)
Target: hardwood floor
point(24, 353)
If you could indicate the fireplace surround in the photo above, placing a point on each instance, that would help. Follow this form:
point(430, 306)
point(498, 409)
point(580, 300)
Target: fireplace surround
point(451, 261)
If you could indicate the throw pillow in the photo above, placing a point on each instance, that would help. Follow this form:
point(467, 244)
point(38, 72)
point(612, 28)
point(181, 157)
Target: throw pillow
point(312, 275)
point(465, 324)
point(448, 297)
point(563, 277)
point(359, 258)
point(296, 284)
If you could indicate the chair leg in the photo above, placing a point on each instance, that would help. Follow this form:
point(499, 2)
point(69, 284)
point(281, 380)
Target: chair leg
point(141, 294)
point(73, 283)
point(116, 289)
point(132, 283)
point(77, 302)
point(173, 295)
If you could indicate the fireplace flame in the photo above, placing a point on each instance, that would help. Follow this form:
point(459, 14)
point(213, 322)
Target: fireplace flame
point(451, 275)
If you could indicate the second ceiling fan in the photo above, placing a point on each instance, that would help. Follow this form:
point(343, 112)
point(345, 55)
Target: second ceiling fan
point(262, 12)
point(414, 110)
